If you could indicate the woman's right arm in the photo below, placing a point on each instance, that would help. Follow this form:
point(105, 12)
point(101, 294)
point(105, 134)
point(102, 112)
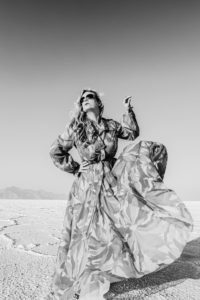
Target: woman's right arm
point(59, 152)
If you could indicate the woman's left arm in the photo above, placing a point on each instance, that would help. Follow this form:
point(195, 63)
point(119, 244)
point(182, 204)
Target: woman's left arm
point(128, 129)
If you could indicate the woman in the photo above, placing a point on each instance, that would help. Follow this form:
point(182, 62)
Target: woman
point(120, 221)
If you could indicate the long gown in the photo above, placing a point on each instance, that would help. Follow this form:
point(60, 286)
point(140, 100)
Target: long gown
point(121, 221)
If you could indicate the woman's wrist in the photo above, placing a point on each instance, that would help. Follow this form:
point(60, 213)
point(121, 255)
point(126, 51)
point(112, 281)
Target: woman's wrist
point(130, 110)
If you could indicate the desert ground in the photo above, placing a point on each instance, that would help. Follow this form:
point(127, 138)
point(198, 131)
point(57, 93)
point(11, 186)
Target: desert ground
point(29, 238)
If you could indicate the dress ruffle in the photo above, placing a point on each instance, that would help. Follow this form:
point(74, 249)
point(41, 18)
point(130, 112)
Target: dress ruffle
point(120, 222)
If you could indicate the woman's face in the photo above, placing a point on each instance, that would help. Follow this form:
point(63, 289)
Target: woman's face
point(89, 102)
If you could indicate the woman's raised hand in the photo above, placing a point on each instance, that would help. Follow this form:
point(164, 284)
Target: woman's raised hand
point(127, 102)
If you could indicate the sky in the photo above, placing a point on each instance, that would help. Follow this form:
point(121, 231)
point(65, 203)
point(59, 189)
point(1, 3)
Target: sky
point(51, 50)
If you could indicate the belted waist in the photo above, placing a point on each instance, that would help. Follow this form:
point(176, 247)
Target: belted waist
point(109, 159)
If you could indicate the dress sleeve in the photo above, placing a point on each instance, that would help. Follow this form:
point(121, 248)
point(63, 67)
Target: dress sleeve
point(59, 152)
point(128, 129)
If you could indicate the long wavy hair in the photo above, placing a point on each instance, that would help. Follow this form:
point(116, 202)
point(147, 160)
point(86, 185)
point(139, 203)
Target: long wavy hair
point(79, 120)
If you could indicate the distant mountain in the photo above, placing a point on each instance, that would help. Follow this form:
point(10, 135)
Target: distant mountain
point(18, 193)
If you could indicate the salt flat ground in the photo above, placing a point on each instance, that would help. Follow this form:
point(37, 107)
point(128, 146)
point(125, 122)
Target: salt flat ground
point(29, 237)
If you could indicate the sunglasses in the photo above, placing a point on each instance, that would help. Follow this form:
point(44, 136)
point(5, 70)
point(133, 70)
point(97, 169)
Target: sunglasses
point(88, 96)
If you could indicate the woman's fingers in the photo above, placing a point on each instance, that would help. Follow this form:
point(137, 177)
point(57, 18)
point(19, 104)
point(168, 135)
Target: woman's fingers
point(84, 166)
point(85, 163)
point(127, 102)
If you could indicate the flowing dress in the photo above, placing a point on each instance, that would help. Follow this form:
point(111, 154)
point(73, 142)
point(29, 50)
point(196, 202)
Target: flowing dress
point(121, 221)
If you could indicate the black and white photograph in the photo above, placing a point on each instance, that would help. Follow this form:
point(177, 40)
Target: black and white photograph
point(100, 160)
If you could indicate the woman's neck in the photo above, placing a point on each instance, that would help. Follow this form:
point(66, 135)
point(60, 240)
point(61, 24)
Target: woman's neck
point(91, 115)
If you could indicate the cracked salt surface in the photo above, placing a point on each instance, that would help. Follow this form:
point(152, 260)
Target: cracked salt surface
point(29, 238)
point(32, 225)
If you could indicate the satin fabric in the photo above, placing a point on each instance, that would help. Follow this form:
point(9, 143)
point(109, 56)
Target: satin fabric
point(120, 222)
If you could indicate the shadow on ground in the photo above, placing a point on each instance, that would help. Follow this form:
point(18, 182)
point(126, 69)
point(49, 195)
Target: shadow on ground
point(187, 266)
